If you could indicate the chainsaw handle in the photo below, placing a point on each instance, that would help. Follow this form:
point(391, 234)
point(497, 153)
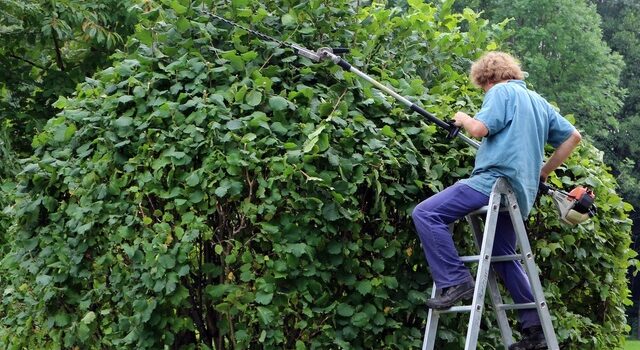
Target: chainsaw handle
point(543, 188)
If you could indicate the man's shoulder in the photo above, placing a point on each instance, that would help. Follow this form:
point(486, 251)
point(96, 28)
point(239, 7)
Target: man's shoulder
point(510, 88)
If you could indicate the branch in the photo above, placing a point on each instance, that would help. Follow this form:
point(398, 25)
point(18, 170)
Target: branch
point(195, 313)
point(27, 61)
point(58, 53)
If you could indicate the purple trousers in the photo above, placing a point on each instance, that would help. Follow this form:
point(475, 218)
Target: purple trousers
point(432, 218)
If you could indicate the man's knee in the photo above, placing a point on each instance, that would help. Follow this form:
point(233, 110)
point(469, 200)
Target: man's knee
point(423, 213)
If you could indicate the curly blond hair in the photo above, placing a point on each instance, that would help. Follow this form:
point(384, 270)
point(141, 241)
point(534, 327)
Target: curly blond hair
point(494, 67)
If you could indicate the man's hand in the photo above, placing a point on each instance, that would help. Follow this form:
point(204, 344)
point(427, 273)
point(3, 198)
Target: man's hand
point(459, 118)
point(474, 127)
point(543, 176)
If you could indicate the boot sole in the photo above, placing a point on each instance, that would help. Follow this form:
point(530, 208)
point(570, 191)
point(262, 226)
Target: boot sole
point(465, 296)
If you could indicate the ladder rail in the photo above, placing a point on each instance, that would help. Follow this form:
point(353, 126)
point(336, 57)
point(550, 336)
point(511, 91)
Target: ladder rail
point(496, 299)
point(482, 275)
point(532, 272)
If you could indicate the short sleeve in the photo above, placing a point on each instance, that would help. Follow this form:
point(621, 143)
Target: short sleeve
point(559, 128)
point(493, 113)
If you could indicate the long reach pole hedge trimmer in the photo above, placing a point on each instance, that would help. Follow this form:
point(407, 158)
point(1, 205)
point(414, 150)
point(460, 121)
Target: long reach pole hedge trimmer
point(573, 208)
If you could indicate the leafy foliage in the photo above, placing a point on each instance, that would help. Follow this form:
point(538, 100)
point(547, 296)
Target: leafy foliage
point(584, 268)
point(47, 48)
point(620, 23)
point(215, 190)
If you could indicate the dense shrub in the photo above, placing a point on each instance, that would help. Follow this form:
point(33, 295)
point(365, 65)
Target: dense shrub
point(212, 190)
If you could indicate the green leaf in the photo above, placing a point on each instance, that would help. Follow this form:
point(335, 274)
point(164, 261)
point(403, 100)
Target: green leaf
point(139, 91)
point(360, 319)
point(145, 36)
point(264, 298)
point(183, 24)
point(217, 291)
point(364, 287)
point(288, 20)
point(265, 315)
point(253, 98)
point(278, 103)
point(379, 243)
point(222, 190)
point(234, 124)
point(64, 132)
point(308, 145)
point(193, 179)
point(178, 7)
point(124, 122)
point(167, 261)
point(88, 317)
point(388, 131)
point(345, 310)
point(61, 103)
point(248, 137)
point(43, 279)
point(125, 98)
point(330, 212)
point(297, 249)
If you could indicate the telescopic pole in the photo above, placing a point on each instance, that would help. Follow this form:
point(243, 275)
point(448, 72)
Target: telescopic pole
point(330, 54)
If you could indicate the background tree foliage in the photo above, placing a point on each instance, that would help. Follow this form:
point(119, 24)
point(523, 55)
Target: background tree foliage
point(620, 23)
point(48, 47)
point(213, 190)
point(621, 20)
point(560, 43)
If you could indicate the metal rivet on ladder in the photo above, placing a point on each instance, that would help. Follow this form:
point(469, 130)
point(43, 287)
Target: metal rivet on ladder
point(514, 206)
point(486, 257)
point(529, 255)
point(543, 304)
point(495, 207)
point(478, 307)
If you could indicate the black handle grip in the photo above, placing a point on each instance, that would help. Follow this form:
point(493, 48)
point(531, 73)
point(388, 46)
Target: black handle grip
point(340, 50)
point(453, 129)
point(543, 188)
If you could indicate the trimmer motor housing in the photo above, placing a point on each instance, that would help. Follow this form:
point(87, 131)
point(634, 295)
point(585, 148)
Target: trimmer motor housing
point(574, 207)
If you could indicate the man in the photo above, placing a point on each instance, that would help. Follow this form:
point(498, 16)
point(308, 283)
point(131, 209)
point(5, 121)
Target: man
point(515, 124)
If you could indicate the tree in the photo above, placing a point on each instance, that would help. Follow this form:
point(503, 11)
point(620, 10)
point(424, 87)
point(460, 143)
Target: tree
point(47, 48)
point(620, 22)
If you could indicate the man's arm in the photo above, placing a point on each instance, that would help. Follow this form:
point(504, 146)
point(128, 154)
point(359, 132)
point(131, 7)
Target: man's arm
point(560, 154)
point(474, 127)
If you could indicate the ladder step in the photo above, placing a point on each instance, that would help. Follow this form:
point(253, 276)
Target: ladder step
point(467, 308)
point(516, 306)
point(476, 258)
point(483, 210)
point(454, 309)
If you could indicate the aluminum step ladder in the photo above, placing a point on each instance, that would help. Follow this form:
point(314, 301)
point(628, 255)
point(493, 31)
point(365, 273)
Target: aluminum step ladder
point(486, 276)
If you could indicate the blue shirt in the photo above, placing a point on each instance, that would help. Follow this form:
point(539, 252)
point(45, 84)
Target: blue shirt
point(520, 123)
